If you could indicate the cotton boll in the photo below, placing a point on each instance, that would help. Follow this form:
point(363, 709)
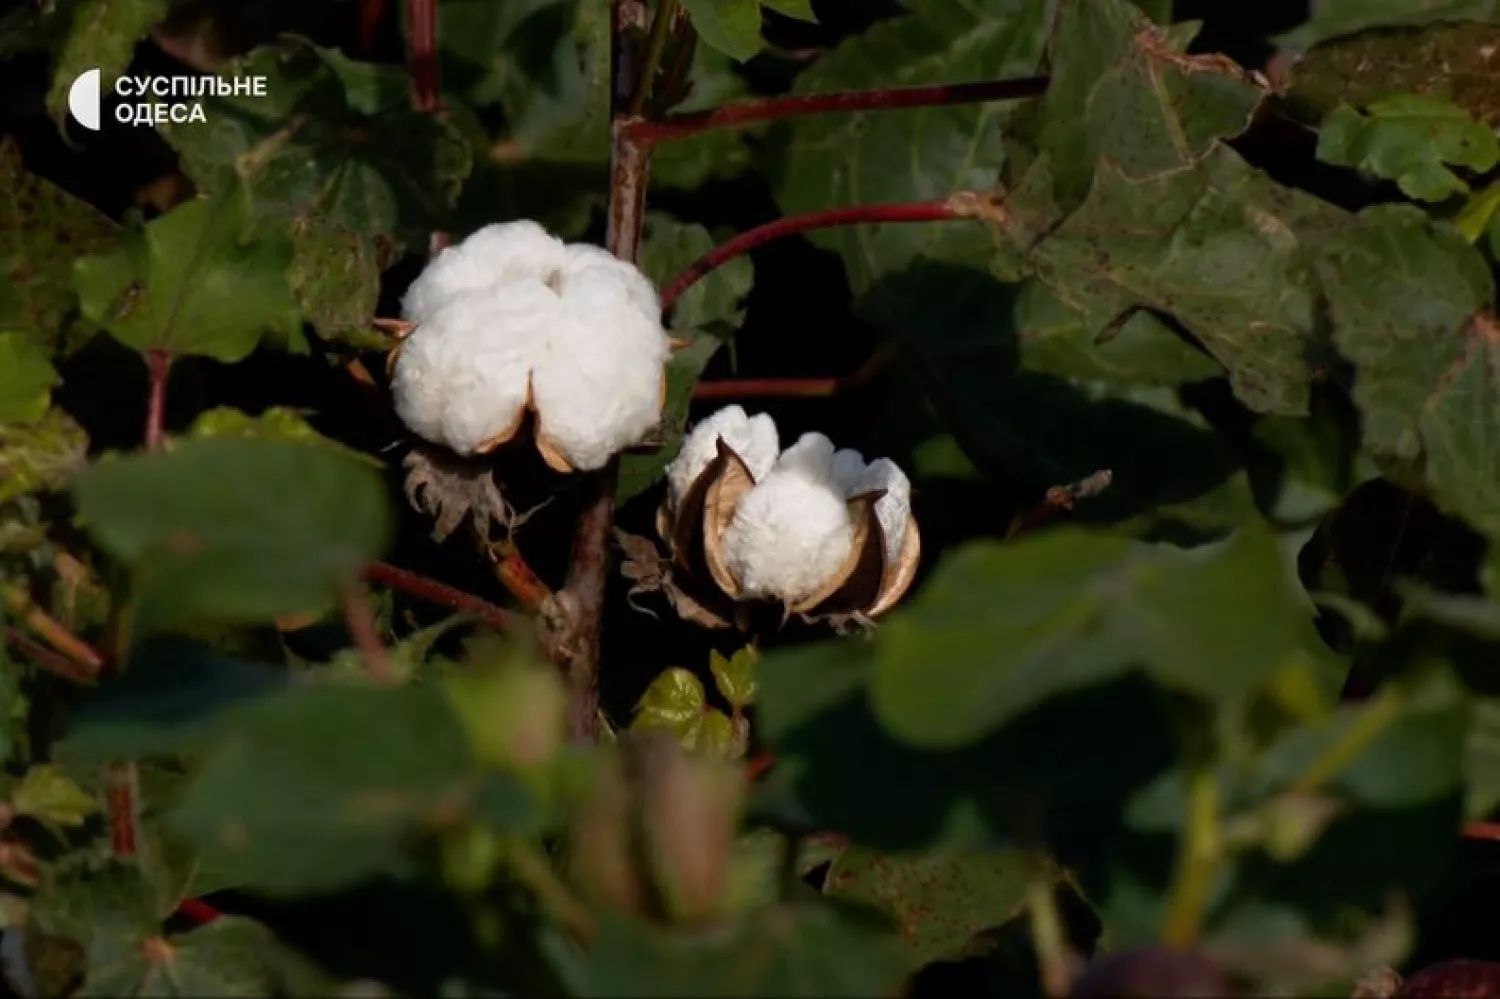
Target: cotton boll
point(587, 264)
point(461, 377)
point(754, 439)
point(597, 386)
point(893, 510)
point(792, 533)
point(500, 252)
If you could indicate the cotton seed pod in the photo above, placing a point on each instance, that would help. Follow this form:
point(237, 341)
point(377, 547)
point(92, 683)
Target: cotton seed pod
point(513, 321)
point(817, 530)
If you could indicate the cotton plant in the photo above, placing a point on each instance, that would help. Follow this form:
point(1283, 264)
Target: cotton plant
point(514, 320)
point(814, 529)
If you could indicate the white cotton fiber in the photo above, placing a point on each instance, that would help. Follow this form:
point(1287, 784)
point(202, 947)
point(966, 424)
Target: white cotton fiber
point(855, 478)
point(791, 534)
point(753, 438)
point(500, 252)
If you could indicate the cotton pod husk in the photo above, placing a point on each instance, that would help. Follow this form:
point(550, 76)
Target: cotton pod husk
point(868, 584)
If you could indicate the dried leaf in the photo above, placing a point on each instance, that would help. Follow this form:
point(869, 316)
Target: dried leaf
point(732, 481)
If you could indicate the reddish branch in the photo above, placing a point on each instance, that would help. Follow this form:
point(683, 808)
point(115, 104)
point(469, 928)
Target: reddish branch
point(435, 592)
point(158, 369)
point(1482, 830)
point(47, 659)
point(793, 388)
point(740, 114)
point(421, 54)
point(923, 211)
point(360, 621)
point(370, 14)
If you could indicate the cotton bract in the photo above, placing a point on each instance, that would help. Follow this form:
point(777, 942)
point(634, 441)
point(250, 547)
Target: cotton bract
point(513, 319)
point(813, 528)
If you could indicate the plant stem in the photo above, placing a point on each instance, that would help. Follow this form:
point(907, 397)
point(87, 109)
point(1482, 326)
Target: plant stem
point(432, 591)
point(949, 209)
point(49, 660)
point(121, 796)
point(421, 54)
point(1048, 937)
point(532, 868)
point(742, 113)
point(656, 47)
point(788, 874)
point(50, 630)
point(793, 388)
point(370, 13)
point(360, 621)
point(518, 578)
point(1482, 830)
point(1198, 860)
point(158, 368)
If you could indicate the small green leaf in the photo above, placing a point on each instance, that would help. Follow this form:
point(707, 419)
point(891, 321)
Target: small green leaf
point(41, 457)
point(731, 26)
point(103, 36)
point(735, 677)
point(938, 901)
point(1412, 140)
point(26, 379)
point(43, 229)
point(675, 701)
point(48, 795)
point(320, 787)
point(237, 529)
point(189, 283)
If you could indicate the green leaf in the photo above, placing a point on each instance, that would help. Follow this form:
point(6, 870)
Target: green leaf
point(1410, 139)
point(48, 795)
point(735, 677)
point(1337, 18)
point(334, 277)
point(320, 787)
point(675, 701)
point(333, 141)
point(237, 529)
point(277, 423)
point(731, 26)
point(802, 10)
point(103, 36)
point(189, 283)
point(914, 155)
point(706, 315)
point(999, 629)
point(1124, 90)
point(41, 457)
point(43, 229)
point(777, 953)
point(26, 379)
point(1410, 303)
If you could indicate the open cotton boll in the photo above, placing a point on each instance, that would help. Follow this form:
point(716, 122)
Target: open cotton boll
point(597, 384)
point(461, 377)
point(893, 510)
point(753, 438)
point(504, 251)
point(791, 534)
point(598, 265)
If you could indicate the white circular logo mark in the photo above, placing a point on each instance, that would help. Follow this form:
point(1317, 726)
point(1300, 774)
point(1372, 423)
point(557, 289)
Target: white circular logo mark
point(83, 100)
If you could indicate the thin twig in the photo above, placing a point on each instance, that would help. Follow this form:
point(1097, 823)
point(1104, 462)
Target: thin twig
point(50, 630)
point(656, 47)
point(421, 54)
point(360, 621)
point(794, 388)
point(742, 113)
point(432, 591)
point(121, 784)
point(158, 369)
point(946, 210)
point(518, 578)
point(48, 660)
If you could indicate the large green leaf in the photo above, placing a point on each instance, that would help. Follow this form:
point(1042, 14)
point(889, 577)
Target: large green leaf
point(103, 35)
point(706, 316)
point(1412, 140)
point(900, 156)
point(43, 229)
point(319, 787)
point(333, 141)
point(1411, 302)
point(1337, 18)
point(191, 282)
point(999, 629)
point(237, 529)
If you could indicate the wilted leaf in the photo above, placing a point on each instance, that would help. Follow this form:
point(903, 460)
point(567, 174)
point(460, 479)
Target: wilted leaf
point(189, 282)
point(915, 155)
point(103, 36)
point(26, 379)
point(237, 529)
point(41, 457)
point(776, 953)
point(1412, 140)
point(938, 902)
point(42, 230)
point(320, 787)
point(332, 141)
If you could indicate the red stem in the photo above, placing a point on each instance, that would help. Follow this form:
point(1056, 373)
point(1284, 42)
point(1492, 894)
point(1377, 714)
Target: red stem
point(360, 621)
point(158, 368)
point(435, 592)
point(737, 115)
point(370, 14)
point(421, 54)
point(923, 211)
point(197, 910)
point(1482, 830)
point(792, 388)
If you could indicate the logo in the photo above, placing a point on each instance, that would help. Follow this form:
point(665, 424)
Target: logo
point(83, 100)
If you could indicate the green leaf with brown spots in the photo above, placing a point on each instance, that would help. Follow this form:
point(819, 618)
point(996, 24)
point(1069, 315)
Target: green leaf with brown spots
point(103, 35)
point(43, 229)
point(1413, 140)
point(938, 902)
